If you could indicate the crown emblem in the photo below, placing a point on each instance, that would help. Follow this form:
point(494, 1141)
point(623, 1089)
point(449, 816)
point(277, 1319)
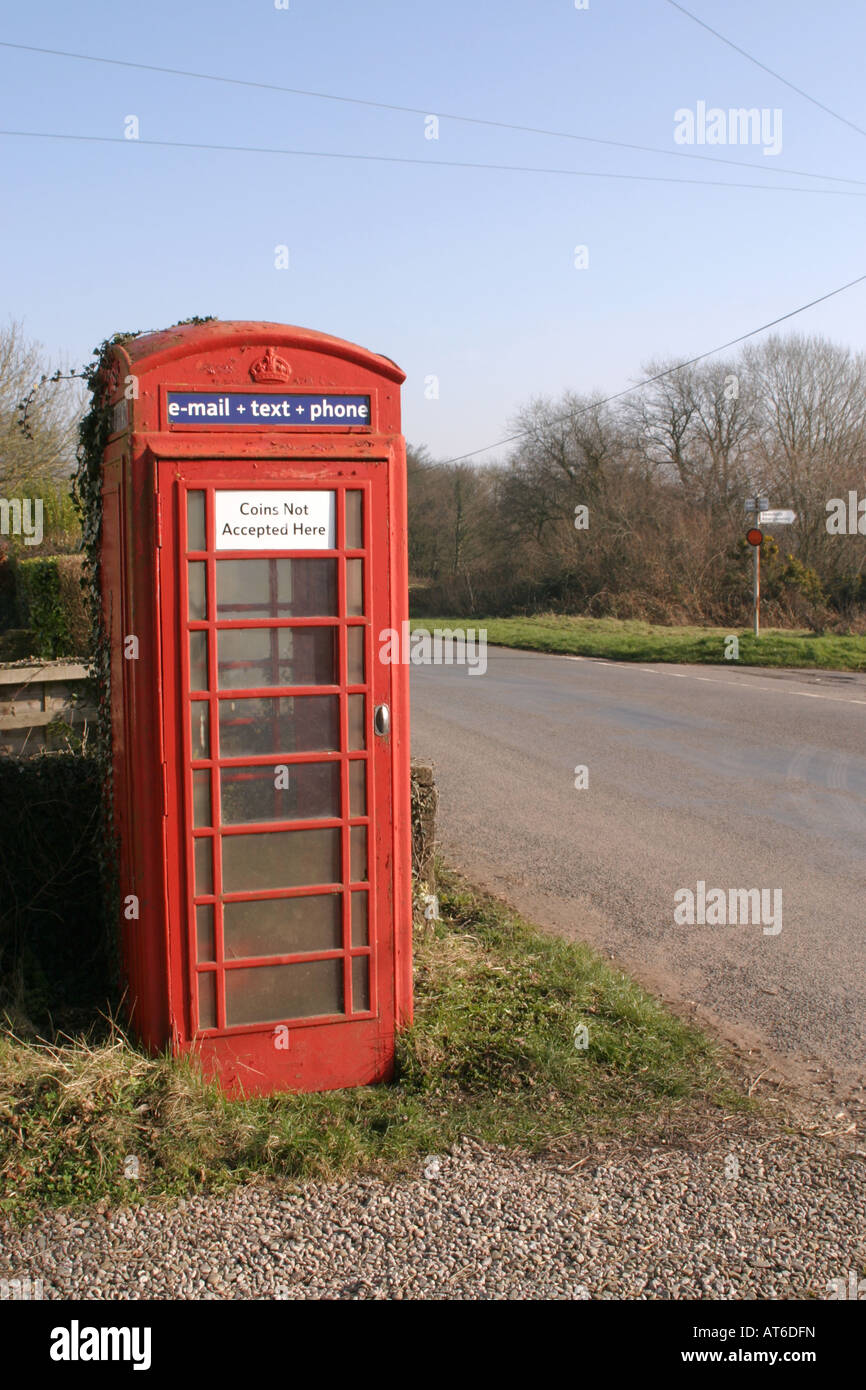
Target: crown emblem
point(270, 367)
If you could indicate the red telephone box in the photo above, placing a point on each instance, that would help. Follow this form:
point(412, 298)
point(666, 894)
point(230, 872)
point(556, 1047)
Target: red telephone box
point(254, 548)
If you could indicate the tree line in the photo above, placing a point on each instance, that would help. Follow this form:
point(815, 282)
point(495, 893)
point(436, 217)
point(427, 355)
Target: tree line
point(656, 482)
point(635, 508)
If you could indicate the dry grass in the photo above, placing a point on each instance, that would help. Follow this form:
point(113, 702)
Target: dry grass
point(491, 1055)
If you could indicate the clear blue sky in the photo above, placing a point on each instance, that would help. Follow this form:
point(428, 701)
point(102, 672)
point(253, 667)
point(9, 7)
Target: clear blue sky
point(463, 274)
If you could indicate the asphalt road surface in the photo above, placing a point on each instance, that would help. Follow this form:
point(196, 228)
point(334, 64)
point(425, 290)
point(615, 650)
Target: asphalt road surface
point(736, 778)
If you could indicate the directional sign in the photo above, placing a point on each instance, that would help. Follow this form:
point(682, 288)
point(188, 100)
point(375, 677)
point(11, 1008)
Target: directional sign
point(777, 518)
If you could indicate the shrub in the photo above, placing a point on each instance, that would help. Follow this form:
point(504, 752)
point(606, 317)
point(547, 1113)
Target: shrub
point(54, 954)
point(8, 610)
point(51, 604)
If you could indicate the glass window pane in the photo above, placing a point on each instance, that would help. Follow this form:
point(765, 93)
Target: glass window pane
point(195, 532)
point(280, 859)
point(357, 789)
point(360, 929)
point(358, 845)
point(355, 661)
point(360, 984)
point(354, 588)
point(304, 588)
point(203, 867)
point(283, 926)
point(291, 724)
point(197, 571)
point(357, 730)
point(198, 661)
point(200, 728)
point(288, 791)
point(204, 932)
point(249, 658)
point(354, 520)
point(207, 1000)
point(271, 992)
point(201, 815)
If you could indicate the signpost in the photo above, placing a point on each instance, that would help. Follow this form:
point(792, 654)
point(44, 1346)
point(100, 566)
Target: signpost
point(755, 537)
point(766, 517)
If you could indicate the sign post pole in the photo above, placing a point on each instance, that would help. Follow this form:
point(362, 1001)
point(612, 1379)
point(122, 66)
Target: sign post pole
point(754, 537)
point(780, 517)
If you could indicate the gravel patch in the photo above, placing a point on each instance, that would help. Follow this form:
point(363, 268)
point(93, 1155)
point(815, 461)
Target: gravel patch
point(755, 1219)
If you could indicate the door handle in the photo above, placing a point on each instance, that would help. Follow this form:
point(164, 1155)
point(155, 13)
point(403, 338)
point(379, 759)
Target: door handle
point(382, 720)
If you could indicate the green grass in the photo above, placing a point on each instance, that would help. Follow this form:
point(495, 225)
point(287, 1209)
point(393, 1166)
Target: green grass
point(491, 1056)
point(621, 640)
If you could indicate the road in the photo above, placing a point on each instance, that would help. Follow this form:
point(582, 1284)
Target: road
point(736, 778)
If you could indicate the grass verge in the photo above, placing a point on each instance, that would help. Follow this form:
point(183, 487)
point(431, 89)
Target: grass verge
point(621, 640)
point(491, 1056)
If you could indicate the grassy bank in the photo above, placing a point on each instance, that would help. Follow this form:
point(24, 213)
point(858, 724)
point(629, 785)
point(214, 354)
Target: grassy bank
point(492, 1055)
point(635, 641)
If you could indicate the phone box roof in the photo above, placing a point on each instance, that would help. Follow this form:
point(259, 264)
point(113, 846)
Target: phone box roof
point(169, 343)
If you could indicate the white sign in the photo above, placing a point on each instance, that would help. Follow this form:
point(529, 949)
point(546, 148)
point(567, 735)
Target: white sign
point(284, 520)
point(777, 518)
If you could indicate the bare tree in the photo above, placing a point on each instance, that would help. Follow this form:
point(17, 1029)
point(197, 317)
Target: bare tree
point(810, 405)
point(697, 426)
point(664, 475)
point(47, 452)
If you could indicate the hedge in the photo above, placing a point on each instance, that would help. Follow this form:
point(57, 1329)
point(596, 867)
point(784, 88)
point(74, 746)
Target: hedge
point(56, 963)
point(8, 606)
point(51, 604)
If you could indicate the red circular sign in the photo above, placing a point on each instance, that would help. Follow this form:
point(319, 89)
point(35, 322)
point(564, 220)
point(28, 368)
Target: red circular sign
point(754, 537)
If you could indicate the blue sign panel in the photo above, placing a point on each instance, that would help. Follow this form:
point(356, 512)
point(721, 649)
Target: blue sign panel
point(265, 408)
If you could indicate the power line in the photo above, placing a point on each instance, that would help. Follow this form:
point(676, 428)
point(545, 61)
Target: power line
point(763, 66)
point(428, 163)
point(669, 371)
point(420, 111)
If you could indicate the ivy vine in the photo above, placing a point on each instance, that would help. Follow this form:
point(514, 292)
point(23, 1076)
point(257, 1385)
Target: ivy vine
point(93, 435)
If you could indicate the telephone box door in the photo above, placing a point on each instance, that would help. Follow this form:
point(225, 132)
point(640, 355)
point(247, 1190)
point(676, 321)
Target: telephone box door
point(278, 771)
